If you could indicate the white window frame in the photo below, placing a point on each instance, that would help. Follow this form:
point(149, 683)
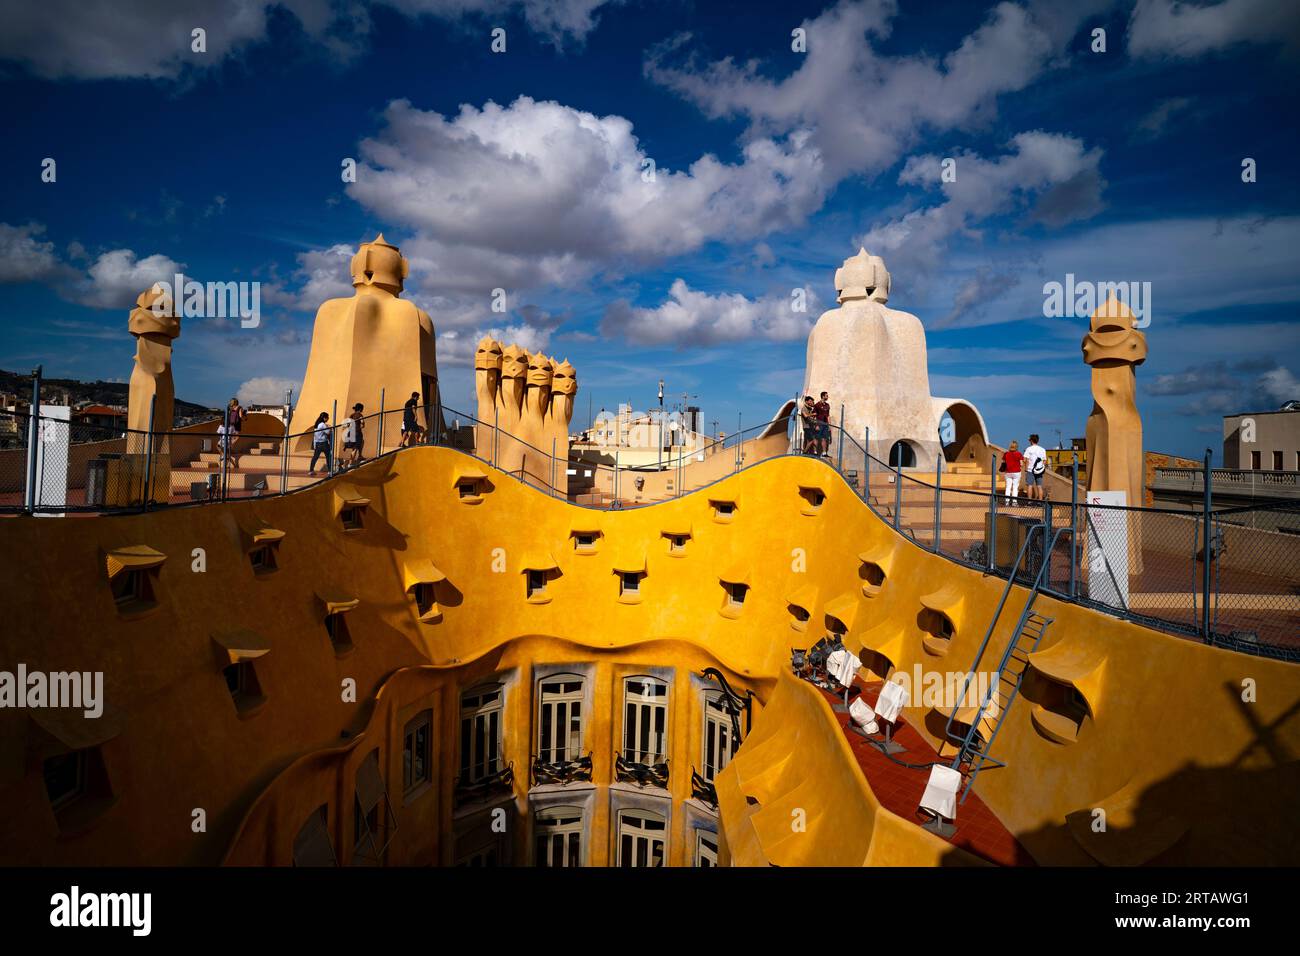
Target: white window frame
point(640, 827)
point(481, 707)
point(566, 704)
point(706, 848)
point(566, 822)
point(410, 733)
point(624, 590)
point(719, 731)
point(643, 710)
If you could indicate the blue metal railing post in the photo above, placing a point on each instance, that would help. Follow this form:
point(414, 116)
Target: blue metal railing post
point(33, 436)
point(334, 438)
point(938, 492)
point(1205, 552)
point(839, 457)
point(284, 456)
point(866, 465)
point(148, 457)
point(993, 516)
point(225, 448)
point(1074, 524)
point(898, 490)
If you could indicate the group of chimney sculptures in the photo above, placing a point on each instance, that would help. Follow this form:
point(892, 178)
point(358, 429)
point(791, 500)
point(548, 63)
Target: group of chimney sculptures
point(375, 340)
point(525, 404)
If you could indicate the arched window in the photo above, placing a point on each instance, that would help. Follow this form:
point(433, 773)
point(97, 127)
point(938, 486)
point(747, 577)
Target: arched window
point(706, 848)
point(902, 454)
point(642, 838)
point(558, 832)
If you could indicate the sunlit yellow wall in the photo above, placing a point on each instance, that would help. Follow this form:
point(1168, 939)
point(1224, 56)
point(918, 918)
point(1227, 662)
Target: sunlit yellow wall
point(1162, 702)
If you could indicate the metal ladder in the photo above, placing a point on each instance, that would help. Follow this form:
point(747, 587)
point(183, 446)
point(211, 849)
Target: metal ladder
point(975, 746)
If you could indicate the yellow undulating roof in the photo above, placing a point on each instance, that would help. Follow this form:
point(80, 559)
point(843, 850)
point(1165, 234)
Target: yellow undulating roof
point(242, 644)
point(469, 473)
point(844, 609)
point(947, 601)
point(347, 496)
point(805, 597)
point(336, 602)
point(630, 561)
point(1083, 668)
point(259, 533)
point(134, 557)
point(421, 571)
point(881, 556)
point(738, 573)
point(887, 639)
point(538, 560)
point(72, 728)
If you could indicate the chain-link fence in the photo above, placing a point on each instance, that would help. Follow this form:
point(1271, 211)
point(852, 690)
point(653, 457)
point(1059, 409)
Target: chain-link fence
point(1145, 564)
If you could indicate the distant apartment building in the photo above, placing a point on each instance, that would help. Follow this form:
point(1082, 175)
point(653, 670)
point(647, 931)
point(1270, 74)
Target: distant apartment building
point(1263, 441)
point(1261, 467)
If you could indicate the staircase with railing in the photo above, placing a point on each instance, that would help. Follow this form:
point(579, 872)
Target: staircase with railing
point(983, 722)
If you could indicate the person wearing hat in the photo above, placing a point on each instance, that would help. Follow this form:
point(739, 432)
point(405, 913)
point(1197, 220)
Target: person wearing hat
point(353, 436)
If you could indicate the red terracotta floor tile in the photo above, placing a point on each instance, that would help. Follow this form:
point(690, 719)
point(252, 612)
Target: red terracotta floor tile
point(899, 788)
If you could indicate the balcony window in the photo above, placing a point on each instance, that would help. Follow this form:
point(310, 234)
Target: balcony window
point(642, 838)
point(558, 834)
point(645, 721)
point(417, 753)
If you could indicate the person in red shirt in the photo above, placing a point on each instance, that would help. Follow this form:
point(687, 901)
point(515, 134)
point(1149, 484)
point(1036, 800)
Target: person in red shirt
point(1012, 461)
point(822, 411)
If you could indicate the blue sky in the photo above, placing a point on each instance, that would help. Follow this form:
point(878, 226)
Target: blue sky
point(523, 170)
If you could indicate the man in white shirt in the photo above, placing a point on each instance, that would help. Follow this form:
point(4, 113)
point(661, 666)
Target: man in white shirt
point(1035, 468)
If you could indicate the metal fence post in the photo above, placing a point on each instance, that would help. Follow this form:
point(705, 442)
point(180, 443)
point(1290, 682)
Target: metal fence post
point(615, 501)
point(553, 468)
point(938, 493)
point(1074, 524)
point(839, 457)
point(898, 490)
point(1205, 552)
point(148, 457)
point(993, 512)
point(334, 439)
point(284, 456)
point(33, 436)
point(496, 433)
point(866, 465)
point(224, 446)
point(379, 449)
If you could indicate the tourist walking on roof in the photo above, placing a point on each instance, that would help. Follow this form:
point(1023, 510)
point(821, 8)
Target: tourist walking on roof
point(322, 442)
point(235, 418)
point(354, 436)
point(808, 422)
point(411, 430)
point(1035, 468)
point(1011, 464)
point(823, 412)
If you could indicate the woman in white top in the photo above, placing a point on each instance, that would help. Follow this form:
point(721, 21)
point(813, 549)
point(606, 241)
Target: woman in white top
point(321, 440)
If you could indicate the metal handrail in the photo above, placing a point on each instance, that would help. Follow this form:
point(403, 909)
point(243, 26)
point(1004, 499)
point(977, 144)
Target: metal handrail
point(993, 623)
